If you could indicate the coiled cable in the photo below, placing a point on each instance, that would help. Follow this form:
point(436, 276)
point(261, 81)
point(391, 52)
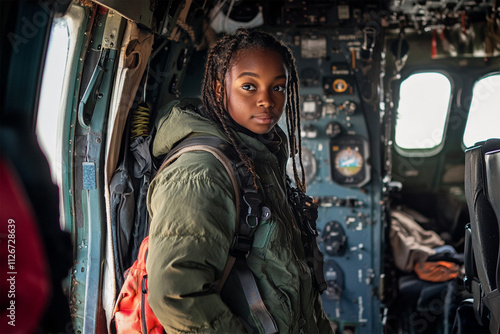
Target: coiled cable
point(140, 121)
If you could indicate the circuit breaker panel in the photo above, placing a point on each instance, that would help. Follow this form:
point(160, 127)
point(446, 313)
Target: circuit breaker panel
point(340, 149)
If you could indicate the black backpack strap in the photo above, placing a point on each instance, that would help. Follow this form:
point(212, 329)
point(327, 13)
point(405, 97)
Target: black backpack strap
point(213, 145)
point(246, 224)
point(241, 179)
point(254, 298)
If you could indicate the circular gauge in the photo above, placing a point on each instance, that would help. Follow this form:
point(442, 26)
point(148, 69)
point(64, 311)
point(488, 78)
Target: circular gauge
point(333, 129)
point(309, 163)
point(340, 85)
point(349, 107)
point(334, 239)
point(348, 160)
point(334, 277)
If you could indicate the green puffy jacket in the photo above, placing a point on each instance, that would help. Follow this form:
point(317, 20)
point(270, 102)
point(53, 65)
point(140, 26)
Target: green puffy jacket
point(191, 203)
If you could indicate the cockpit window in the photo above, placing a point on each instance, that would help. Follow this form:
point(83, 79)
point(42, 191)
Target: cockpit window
point(424, 102)
point(484, 112)
point(51, 94)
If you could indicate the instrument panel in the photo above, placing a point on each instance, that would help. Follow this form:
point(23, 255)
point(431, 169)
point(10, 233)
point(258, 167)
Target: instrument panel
point(337, 150)
point(341, 158)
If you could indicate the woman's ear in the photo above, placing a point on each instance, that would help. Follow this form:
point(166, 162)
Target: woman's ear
point(218, 90)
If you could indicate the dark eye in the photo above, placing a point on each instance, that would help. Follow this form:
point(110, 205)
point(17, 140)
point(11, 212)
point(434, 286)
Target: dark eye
point(248, 87)
point(279, 88)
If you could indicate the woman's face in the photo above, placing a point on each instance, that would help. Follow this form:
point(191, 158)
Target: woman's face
point(256, 89)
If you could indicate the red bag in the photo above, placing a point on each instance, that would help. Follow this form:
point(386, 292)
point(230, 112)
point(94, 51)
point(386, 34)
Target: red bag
point(132, 313)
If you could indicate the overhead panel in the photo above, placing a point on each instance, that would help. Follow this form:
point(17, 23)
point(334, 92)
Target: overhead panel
point(140, 11)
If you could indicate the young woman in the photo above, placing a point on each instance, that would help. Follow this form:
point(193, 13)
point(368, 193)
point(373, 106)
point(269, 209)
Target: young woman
point(250, 81)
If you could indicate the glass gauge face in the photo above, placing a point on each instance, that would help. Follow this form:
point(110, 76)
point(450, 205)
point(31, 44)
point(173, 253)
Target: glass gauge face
point(349, 161)
point(309, 162)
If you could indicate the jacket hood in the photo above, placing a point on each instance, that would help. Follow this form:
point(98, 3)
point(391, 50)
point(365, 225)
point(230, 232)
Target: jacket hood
point(178, 120)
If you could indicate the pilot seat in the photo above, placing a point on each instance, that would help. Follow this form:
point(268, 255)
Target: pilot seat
point(482, 256)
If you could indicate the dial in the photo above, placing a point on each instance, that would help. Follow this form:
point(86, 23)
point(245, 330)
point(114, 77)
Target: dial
point(348, 160)
point(309, 162)
point(340, 85)
point(348, 107)
point(334, 277)
point(333, 129)
point(334, 239)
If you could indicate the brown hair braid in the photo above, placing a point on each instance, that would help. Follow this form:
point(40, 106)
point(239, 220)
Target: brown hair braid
point(220, 59)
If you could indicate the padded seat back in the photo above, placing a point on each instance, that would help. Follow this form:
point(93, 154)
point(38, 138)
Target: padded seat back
point(482, 191)
point(492, 160)
point(484, 223)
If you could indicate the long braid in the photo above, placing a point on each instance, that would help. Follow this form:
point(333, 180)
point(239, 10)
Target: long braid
point(216, 104)
point(293, 123)
point(219, 60)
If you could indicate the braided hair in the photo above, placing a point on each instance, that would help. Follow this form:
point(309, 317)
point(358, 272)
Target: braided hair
point(219, 61)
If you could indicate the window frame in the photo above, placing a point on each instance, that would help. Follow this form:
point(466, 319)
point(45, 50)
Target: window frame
point(490, 74)
point(56, 113)
point(431, 151)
